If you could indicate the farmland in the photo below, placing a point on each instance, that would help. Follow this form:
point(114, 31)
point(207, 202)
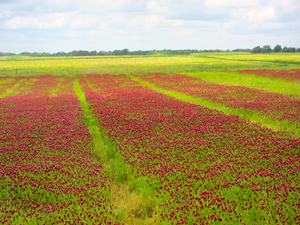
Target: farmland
point(197, 139)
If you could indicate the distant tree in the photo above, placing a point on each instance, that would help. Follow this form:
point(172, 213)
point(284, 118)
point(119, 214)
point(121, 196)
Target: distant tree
point(285, 49)
point(73, 53)
point(45, 54)
point(241, 50)
point(266, 49)
point(257, 49)
point(25, 54)
point(121, 52)
point(125, 51)
point(36, 54)
point(277, 48)
point(116, 52)
point(102, 53)
point(93, 53)
point(79, 53)
point(61, 54)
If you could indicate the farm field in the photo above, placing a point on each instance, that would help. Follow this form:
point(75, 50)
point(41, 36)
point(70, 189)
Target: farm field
point(251, 103)
point(24, 66)
point(198, 139)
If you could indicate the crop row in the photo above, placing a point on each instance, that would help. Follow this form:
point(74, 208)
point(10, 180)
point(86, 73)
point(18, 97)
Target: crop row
point(274, 106)
point(206, 167)
point(48, 174)
point(289, 75)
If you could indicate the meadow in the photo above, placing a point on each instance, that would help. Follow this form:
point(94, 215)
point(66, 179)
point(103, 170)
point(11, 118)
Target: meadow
point(24, 66)
point(210, 138)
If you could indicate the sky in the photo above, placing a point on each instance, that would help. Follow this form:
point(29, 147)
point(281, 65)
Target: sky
point(66, 25)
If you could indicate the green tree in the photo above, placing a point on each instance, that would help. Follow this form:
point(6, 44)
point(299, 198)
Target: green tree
point(277, 48)
point(257, 49)
point(25, 54)
point(93, 53)
point(266, 49)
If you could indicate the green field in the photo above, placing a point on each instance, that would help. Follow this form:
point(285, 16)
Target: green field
point(22, 66)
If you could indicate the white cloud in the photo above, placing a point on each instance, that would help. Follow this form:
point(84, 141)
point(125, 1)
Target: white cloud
point(153, 6)
point(290, 6)
point(146, 22)
point(49, 21)
point(260, 15)
point(184, 32)
point(230, 24)
point(177, 23)
point(85, 21)
point(230, 3)
point(5, 13)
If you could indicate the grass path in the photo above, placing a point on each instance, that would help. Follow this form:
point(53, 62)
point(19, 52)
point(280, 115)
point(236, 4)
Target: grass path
point(254, 117)
point(131, 203)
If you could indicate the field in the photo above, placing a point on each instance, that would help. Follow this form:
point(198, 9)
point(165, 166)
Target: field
point(198, 139)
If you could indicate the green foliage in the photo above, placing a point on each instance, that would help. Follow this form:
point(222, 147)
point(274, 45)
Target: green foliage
point(257, 49)
point(277, 48)
point(121, 171)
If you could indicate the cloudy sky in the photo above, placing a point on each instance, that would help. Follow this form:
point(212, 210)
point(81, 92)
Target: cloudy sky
point(66, 25)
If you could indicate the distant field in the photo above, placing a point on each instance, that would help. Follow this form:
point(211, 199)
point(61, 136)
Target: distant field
point(21, 66)
point(199, 139)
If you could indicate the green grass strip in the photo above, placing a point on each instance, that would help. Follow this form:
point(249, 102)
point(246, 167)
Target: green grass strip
point(253, 117)
point(11, 90)
point(274, 85)
point(100, 149)
point(128, 193)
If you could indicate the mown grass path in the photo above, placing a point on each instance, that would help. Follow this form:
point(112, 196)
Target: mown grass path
point(130, 201)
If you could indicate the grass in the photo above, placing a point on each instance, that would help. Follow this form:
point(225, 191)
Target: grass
point(132, 196)
point(10, 90)
point(253, 117)
point(70, 66)
point(279, 58)
point(252, 81)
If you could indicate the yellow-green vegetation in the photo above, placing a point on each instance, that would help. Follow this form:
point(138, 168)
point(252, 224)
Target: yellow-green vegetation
point(24, 66)
point(11, 90)
point(282, 58)
point(132, 196)
point(237, 79)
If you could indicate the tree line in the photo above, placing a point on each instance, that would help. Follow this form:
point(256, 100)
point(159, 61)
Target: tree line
point(258, 49)
point(110, 53)
point(277, 48)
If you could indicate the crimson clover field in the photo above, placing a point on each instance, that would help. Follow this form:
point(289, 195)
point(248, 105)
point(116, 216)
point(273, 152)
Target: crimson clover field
point(176, 143)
